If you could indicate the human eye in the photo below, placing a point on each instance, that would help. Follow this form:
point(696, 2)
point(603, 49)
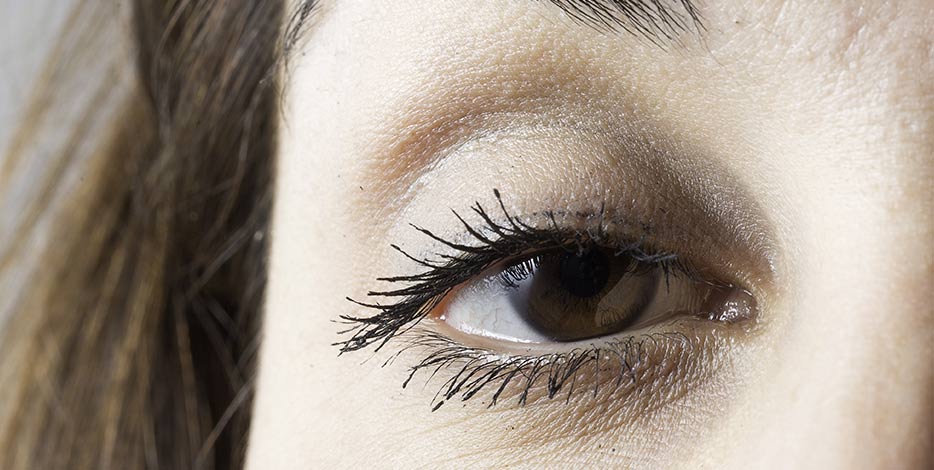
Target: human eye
point(532, 305)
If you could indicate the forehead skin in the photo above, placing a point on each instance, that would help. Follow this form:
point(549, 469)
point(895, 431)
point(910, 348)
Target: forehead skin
point(821, 110)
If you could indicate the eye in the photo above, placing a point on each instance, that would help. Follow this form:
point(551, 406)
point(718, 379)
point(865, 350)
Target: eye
point(568, 295)
point(580, 293)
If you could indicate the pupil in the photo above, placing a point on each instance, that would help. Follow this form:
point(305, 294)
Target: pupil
point(584, 275)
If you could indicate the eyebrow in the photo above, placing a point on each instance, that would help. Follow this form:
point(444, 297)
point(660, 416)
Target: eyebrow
point(658, 21)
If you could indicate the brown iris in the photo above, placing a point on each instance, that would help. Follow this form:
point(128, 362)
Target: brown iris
point(573, 296)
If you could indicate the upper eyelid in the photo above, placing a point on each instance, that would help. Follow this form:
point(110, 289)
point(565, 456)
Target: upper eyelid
point(704, 199)
point(548, 85)
point(697, 204)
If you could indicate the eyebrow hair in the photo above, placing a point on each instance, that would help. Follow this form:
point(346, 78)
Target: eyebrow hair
point(658, 21)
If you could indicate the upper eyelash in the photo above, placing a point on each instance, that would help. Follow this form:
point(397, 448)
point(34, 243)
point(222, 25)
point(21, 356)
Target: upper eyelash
point(497, 241)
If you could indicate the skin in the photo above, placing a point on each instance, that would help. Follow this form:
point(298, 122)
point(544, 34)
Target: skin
point(805, 130)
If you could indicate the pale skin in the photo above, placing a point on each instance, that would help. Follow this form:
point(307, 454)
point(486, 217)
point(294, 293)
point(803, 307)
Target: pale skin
point(805, 131)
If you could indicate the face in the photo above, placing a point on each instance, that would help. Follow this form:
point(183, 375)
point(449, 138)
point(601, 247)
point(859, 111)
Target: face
point(603, 248)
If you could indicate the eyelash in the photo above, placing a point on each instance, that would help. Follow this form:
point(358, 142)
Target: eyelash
point(478, 368)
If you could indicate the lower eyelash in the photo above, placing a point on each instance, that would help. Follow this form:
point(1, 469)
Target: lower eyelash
point(627, 363)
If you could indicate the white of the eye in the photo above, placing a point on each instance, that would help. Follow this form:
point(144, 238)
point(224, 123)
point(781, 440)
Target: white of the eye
point(487, 308)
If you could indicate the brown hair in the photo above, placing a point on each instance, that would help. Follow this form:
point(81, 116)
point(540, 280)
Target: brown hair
point(132, 342)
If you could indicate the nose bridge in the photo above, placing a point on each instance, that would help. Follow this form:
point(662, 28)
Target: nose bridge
point(865, 403)
point(849, 377)
point(863, 383)
point(851, 385)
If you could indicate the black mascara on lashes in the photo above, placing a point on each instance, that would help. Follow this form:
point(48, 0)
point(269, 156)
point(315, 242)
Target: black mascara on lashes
point(421, 292)
point(477, 369)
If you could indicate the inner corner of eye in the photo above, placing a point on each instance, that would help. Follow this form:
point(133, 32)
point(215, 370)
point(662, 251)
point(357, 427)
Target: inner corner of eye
point(572, 296)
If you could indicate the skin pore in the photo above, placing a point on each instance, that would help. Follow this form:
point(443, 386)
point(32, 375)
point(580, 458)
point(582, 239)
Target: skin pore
point(786, 146)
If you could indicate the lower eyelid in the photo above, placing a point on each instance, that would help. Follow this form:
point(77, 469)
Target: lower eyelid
point(631, 370)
